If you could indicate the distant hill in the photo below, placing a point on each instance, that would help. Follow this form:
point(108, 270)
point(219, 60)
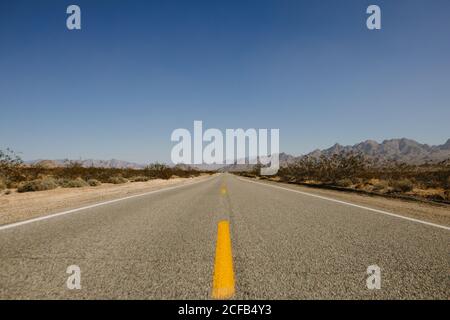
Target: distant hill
point(46, 163)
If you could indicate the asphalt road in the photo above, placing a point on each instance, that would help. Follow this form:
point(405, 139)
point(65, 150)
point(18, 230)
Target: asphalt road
point(285, 245)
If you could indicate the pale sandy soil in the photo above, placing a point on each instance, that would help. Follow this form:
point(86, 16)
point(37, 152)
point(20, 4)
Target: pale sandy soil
point(22, 206)
point(435, 213)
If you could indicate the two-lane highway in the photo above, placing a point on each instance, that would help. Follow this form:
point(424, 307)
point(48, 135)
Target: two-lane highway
point(284, 245)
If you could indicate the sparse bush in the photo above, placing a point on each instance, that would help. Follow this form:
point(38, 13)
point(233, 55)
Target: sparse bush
point(72, 183)
point(118, 180)
point(38, 185)
point(8, 192)
point(380, 186)
point(139, 179)
point(325, 169)
point(447, 183)
point(94, 182)
point(431, 183)
point(346, 182)
point(63, 182)
point(73, 169)
point(403, 185)
point(447, 195)
point(10, 167)
point(161, 171)
point(14, 184)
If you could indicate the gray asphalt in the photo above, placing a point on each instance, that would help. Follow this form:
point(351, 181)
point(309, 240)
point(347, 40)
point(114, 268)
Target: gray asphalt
point(285, 246)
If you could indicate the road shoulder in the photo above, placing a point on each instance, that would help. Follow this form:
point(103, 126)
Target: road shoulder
point(18, 207)
point(433, 213)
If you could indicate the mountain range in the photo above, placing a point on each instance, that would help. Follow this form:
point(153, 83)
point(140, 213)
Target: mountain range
point(400, 150)
point(112, 163)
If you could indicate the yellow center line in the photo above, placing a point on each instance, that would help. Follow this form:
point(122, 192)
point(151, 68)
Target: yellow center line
point(223, 282)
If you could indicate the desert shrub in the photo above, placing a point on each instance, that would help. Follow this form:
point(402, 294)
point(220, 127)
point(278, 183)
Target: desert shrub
point(11, 166)
point(63, 182)
point(8, 192)
point(325, 169)
point(431, 183)
point(73, 169)
point(139, 179)
point(72, 183)
point(380, 185)
point(14, 184)
point(117, 180)
point(447, 195)
point(346, 182)
point(403, 185)
point(94, 182)
point(161, 171)
point(447, 183)
point(38, 185)
point(2, 184)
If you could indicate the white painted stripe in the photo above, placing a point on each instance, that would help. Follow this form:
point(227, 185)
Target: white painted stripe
point(54, 215)
point(351, 204)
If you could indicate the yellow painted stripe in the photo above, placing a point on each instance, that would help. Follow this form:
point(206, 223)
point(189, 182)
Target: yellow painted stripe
point(223, 282)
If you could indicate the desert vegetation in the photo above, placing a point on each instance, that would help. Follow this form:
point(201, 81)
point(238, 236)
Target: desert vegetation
point(15, 174)
point(354, 172)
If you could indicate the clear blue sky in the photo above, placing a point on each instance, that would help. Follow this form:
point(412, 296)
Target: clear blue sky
point(140, 69)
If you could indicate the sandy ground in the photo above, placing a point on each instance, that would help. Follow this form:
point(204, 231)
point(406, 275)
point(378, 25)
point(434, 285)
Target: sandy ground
point(435, 213)
point(22, 206)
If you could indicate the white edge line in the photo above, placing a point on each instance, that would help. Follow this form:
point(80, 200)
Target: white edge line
point(351, 204)
point(53, 215)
